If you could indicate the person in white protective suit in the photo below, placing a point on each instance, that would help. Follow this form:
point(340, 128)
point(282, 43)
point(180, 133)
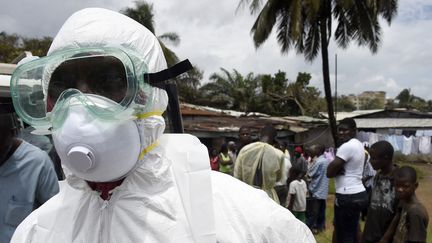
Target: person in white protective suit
point(127, 182)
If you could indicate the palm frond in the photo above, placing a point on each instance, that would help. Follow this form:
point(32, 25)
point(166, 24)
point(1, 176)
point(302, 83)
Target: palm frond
point(142, 13)
point(296, 23)
point(375, 41)
point(311, 8)
point(264, 22)
point(172, 37)
point(388, 9)
point(342, 33)
point(313, 42)
point(170, 56)
point(345, 4)
point(283, 37)
point(254, 5)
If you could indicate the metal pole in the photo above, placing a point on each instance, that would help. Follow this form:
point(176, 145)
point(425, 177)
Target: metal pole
point(336, 86)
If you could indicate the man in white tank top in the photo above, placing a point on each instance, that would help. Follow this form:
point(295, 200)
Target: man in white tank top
point(347, 169)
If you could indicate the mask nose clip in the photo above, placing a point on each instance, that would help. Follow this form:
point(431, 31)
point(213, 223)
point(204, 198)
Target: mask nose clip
point(82, 157)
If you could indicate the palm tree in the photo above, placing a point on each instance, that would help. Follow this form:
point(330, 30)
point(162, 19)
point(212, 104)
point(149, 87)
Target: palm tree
point(306, 26)
point(232, 90)
point(143, 14)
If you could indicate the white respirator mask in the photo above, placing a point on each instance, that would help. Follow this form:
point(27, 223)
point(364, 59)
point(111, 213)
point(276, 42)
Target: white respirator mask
point(94, 149)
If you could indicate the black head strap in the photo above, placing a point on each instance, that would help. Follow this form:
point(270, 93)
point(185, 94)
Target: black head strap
point(157, 79)
point(6, 105)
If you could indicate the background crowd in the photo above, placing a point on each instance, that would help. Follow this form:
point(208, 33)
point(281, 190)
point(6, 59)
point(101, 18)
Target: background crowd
point(369, 186)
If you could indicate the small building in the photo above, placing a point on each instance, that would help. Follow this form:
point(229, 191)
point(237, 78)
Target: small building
point(215, 126)
point(366, 97)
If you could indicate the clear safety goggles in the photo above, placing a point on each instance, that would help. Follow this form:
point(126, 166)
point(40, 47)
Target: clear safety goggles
point(52, 84)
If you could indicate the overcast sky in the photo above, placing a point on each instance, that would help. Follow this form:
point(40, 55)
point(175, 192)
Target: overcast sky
point(214, 35)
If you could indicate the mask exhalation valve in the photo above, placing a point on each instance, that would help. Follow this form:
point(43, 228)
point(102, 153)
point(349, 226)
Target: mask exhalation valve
point(82, 157)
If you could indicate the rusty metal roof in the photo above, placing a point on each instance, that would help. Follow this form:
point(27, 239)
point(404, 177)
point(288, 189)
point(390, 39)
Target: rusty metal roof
point(207, 119)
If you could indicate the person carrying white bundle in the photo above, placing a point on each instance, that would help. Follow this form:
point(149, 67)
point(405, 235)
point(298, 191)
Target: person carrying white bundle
point(128, 182)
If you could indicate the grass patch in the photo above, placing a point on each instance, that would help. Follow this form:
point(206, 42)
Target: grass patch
point(332, 188)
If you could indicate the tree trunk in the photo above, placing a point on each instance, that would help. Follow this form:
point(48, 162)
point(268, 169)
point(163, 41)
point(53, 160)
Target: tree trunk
point(326, 79)
point(302, 111)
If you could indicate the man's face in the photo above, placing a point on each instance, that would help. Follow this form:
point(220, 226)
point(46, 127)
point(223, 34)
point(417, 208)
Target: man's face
point(404, 188)
point(345, 133)
point(377, 161)
point(231, 146)
point(244, 135)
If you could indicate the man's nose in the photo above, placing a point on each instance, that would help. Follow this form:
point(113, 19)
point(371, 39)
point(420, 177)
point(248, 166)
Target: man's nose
point(84, 87)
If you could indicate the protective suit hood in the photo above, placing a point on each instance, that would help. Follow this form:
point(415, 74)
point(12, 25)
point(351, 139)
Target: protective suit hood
point(96, 27)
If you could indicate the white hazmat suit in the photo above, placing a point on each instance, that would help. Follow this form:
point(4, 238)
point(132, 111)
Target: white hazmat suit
point(171, 195)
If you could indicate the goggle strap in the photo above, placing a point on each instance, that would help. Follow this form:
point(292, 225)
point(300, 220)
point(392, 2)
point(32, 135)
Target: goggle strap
point(146, 150)
point(158, 79)
point(6, 106)
point(149, 114)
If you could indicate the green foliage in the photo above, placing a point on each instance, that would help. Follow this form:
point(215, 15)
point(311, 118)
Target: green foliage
point(143, 14)
point(188, 86)
point(38, 47)
point(299, 23)
point(306, 97)
point(270, 94)
point(409, 101)
point(404, 97)
point(231, 91)
point(9, 47)
point(280, 97)
point(371, 104)
point(344, 104)
point(12, 45)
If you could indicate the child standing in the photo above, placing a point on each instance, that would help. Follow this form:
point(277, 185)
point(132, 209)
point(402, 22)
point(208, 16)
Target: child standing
point(413, 218)
point(225, 161)
point(297, 194)
point(383, 202)
point(214, 160)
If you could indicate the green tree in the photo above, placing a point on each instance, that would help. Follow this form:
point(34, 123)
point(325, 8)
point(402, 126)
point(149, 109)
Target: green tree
point(272, 98)
point(344, 104)
point(306, 26)
point(231, 91)
point(12, 45)
point(280, 97)
point(143, 14)
point(371, 104)
point(188, 86)
point(405, 98)
point(38, 47)
point(429, 106)
point(306, 97)
point(409, 101)
point(9, 47)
